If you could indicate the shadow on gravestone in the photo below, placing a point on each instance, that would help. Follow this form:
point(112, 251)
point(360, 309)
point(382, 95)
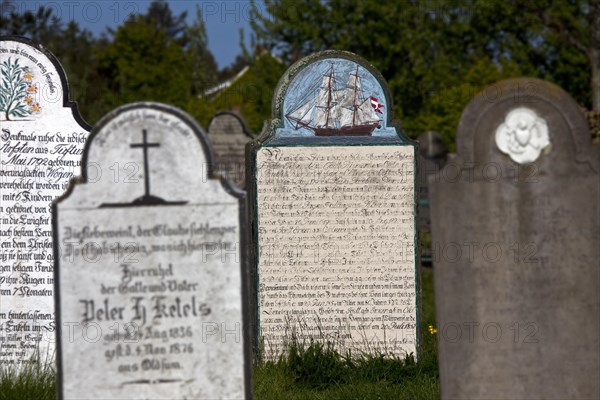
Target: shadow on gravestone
point(516, 230)
point(332, 204)
point(432, 158)
point(229, 134)
point(41, 141)
point(150, 277)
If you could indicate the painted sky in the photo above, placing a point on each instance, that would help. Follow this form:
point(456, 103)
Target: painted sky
point(223, 18)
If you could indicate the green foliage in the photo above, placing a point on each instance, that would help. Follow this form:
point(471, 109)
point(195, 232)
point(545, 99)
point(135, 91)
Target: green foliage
point(37, 380)
point(40, 25)
point(151, 57)
point(427, 305)
point(77, 51)
point(251, 94)
point(156, 57)
point(316, 366)
point(437, 55)
point(144, 63)
point(204, 67)
point(14, 88)
point(444, 108)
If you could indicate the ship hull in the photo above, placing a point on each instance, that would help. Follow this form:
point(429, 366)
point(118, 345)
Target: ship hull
point(357, 130)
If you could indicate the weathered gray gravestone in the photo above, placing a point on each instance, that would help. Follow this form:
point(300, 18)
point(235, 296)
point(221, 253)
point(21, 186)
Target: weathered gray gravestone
point(149, 276)
point(41, 140)
point(229, 134)
point(432, 158)
point(333, 201)
point(516, 220)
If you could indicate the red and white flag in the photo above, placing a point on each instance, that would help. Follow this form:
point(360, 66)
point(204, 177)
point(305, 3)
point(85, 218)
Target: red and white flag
point(377, 106)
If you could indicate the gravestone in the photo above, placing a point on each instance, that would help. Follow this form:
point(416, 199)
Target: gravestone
point(516, 218)
point(432, 158)
point(149, 281)
point(41, 141)
point(229, 134)
point(332, 193)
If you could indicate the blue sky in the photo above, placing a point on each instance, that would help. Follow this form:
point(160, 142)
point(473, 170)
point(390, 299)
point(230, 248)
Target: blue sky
point(223, 18)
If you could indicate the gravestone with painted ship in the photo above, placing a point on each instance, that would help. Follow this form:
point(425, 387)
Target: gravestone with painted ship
point(149, 276)
point(516, 219)
point(41, 141)
point(332, 194)
point(432, 158)
point(229, 134)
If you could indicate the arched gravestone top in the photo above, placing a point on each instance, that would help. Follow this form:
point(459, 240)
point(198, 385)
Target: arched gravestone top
point(229, 134)
point(330, 164)
point(47, 76)
point(229, 122)
point(100, 158)
point(538, 122)
point(150, 251)
point(318, 79)
point(41, 140)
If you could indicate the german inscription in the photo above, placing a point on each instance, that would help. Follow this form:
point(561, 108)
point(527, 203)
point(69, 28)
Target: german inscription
point(149, 273)
point(337, 256)
point(41, 143)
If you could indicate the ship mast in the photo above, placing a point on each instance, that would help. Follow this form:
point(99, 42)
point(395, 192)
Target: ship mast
point(354, 105)
point(329, 96)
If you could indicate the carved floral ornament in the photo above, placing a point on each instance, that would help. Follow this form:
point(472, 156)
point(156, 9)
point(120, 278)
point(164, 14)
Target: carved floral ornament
point(523, 135)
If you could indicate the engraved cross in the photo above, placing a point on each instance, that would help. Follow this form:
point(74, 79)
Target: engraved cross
point(145, 145)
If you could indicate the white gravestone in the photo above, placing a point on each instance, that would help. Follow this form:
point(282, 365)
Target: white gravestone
point(149, 278)
point(41, 141)
point(335, 214)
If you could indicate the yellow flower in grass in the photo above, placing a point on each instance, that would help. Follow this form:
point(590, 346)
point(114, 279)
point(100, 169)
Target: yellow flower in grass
point(36, 108)
point(432, 330)
point(31, 89)
point(29, 100)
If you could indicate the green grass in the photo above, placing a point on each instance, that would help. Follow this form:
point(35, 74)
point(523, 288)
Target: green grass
point(317, 371)
point(312, 372)
point(35, 381)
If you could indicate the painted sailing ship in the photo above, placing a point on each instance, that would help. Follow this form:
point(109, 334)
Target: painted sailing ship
point(337, 109)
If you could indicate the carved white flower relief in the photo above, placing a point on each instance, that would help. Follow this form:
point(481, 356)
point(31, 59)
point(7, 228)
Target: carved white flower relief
point(523, 135)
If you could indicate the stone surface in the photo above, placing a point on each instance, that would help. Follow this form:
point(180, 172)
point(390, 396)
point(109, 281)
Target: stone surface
point(41, 141)
point(229, 134)
point(431, 159)
point(149, 276)
point(334, 229)
point(517, 274)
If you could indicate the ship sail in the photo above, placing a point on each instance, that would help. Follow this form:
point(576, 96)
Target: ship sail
point(351, 92)
point(365, 113)
point(322, 111)
point(302, 114)
point(345, 116)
